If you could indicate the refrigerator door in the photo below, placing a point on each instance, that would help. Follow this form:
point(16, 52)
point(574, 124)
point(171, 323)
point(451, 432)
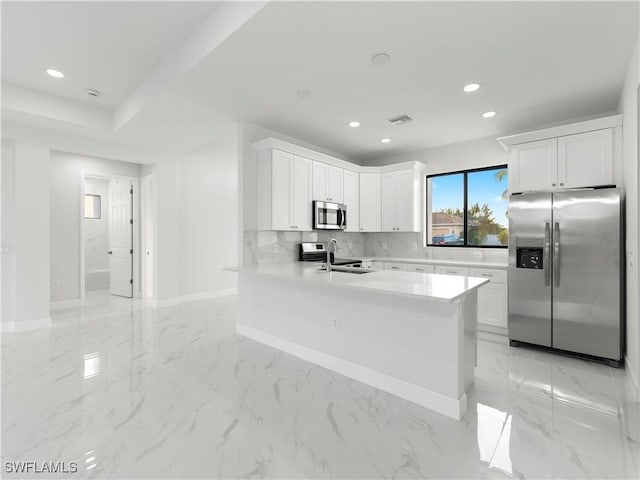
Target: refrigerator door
point(586, 280)
point(529, 272)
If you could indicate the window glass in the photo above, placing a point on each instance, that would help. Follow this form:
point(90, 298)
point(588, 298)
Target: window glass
point(447, 209)
point(91, 206)
point(468, 208)
point(487, 203)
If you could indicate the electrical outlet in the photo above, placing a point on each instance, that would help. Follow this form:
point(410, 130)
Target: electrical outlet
point(276, 248)
point(384, 245)
point(334, 323)
point(414, 246)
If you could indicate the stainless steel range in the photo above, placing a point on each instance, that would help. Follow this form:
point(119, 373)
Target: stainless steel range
point(317, 252)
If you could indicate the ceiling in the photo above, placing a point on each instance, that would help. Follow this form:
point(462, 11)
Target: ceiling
point(538, 63)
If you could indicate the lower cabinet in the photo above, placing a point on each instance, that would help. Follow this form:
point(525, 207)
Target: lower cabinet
point(492, 297)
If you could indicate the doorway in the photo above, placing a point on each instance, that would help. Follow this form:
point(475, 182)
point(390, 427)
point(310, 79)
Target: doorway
point(110, 235)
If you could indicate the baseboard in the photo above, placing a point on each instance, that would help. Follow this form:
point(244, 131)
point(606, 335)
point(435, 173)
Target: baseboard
point(26, 325)
point(65, 304)
point(169, 302)
point(635, 386)
point(482, 327)
point(448, 406)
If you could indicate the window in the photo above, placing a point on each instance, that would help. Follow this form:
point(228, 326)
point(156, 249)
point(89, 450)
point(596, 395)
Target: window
point(468, 208)
point(92, 206)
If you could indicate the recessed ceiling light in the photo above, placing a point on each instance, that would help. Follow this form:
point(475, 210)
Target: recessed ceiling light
point(489, 114)
point(304, 93)
point(380, 59)
point(354, 124)
point(472, 87)
point(385, 140)
point(54, 73)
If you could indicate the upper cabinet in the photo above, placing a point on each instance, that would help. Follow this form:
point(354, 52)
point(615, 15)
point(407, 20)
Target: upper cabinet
point(369, 202)
point(570, 156)
point(284, 191)
point(351, 198)
point(586, 159)
point(327, 182)
point(290, 177)
point(400, 201)
point(533, 166)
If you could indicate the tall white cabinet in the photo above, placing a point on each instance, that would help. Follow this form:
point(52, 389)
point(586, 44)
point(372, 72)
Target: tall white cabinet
point(369, 202)
point(284, 191)
point(399, 201)
point(351, 198)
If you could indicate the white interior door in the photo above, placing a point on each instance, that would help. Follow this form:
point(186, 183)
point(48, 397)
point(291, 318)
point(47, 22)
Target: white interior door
point(121, 237)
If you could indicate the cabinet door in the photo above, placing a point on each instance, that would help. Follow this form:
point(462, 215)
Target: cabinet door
point(451, 270)
point(403, 267)
point(369, 202)
point(320, 178)
point(351, 186)
point(301, 186)
point(586, 159)
point(334, 184)
point(280, 193)
point(533, 166)
point(388, 202)
point(404, 201)
point(420, 268)
point(492, 305)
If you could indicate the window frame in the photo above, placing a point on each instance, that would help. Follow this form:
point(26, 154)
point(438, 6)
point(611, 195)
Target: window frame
point(465, 206)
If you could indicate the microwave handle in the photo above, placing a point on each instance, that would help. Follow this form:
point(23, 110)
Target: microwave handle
point(343, 218)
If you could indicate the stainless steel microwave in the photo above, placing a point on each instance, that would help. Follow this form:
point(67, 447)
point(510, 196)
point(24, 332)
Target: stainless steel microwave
point(329, 216)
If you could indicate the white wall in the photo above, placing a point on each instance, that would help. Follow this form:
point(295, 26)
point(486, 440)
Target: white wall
point(628, 106)
point(25, 237)
point(209, 217)
point(8, 235)
point(66, 177)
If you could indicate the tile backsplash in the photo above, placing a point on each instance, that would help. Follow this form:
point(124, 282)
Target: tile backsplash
point(278, 247)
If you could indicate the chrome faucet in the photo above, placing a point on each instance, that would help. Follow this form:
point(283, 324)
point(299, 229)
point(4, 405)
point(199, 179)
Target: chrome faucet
point(334, 242)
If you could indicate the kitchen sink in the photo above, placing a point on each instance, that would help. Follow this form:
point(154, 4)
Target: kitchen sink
point(356, 270)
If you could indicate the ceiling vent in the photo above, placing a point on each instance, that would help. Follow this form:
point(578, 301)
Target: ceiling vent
point(400, 120)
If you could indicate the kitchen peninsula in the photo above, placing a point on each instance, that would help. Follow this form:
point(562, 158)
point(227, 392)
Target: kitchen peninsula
point(409, 334)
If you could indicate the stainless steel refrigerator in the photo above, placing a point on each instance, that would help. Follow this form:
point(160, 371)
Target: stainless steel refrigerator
point(565, 272)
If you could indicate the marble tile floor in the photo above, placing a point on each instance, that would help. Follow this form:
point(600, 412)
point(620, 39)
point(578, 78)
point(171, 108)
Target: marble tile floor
point(129, 391)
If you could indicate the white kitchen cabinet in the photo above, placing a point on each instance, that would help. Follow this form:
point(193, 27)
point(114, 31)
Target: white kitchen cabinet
point(351, 188)
point(451, 270)
point(492, 297)
point(284, 191)
point(570, 161)
point(533, 166)
point(369, 202)
point(327, 182)
point(396, 266)
point(399, 201)
point(420, 268)
point(586, 159)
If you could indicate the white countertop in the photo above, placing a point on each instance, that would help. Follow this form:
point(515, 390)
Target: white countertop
point(436, 261)
point(411, 284)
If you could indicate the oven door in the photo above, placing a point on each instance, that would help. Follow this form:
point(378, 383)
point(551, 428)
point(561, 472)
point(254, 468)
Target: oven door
point(329, 216)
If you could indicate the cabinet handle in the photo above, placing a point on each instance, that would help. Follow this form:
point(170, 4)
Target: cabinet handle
point(419, 269)
point(487, 275)
point(361, 228)
point(395, 268)
point(562, 184)
point(553, 184)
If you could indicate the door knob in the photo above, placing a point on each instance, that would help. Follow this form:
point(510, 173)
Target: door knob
point(110, 252)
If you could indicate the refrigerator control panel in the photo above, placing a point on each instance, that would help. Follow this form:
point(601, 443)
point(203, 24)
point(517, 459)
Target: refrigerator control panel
point(528, 257)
